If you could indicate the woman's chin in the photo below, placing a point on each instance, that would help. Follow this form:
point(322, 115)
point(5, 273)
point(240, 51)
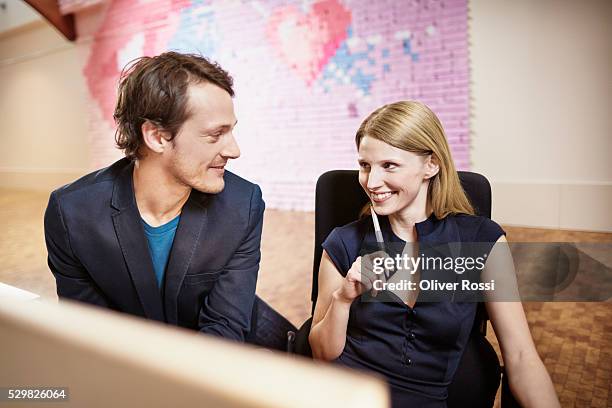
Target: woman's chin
point(382, 209)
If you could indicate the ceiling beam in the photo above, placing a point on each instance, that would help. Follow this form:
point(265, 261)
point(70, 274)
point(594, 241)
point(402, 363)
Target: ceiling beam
point(51, 12)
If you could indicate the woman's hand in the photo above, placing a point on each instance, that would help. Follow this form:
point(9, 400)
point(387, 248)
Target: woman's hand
point(361, 277)
point(336, 294)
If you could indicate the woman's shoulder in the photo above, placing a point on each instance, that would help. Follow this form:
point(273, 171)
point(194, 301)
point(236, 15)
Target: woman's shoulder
point(348, 236)
point(354, 230)
point(344, 243)
point(476, 228)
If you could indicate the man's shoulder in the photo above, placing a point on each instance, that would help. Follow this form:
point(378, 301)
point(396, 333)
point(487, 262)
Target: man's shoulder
point(234, 180)
point(97, 180)
point(236, 185)
point(239, 195)
point(243, 197)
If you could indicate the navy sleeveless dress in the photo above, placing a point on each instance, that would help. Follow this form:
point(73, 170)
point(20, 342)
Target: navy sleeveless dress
point(416, 349)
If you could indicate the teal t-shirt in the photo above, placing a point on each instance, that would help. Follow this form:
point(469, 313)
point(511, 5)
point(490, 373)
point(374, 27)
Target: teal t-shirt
point(160, 242)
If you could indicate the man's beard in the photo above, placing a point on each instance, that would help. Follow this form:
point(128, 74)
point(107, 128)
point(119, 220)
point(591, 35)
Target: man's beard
point(210, 189)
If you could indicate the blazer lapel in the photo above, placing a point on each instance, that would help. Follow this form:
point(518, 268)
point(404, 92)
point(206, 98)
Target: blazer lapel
point(192, 226)
point(133, 243)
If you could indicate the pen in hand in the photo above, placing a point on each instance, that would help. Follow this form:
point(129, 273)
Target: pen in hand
point(377, 231)
point(379, 237)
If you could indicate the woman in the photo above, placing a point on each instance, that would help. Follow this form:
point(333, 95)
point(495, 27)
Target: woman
point(407, 171)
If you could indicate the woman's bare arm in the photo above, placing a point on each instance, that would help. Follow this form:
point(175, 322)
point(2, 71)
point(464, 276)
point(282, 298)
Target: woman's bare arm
point(336, 293)
point(528, 379)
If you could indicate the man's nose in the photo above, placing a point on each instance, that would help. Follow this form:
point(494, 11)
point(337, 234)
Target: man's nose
point(231, 149)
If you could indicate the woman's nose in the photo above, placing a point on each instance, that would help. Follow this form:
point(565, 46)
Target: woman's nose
point(375, 180)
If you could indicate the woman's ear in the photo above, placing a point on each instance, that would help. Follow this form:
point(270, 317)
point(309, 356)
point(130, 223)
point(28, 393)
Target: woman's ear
point(432, 166)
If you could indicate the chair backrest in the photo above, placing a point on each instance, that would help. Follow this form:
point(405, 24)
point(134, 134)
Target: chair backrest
point(339, 199)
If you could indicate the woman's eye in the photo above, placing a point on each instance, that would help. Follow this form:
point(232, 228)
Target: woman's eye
point(364, 165)
point(389, 166)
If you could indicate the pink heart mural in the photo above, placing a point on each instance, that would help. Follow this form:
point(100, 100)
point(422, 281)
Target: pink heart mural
point(103, 66)
point(306, 42)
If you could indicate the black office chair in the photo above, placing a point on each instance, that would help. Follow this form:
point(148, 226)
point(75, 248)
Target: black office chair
point(339, 199)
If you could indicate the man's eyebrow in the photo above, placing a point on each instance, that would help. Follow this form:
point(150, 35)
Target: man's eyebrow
point(221, 127)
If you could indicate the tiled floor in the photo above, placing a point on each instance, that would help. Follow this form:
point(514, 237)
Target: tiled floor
point(573, 339)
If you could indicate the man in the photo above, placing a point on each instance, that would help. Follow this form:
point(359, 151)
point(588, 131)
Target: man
point(165, 233)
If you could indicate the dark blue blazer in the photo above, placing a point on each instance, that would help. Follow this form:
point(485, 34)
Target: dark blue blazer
point(99, 254)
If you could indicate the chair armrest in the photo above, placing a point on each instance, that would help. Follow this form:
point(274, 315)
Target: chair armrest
point(297, 342)
point(507, 399)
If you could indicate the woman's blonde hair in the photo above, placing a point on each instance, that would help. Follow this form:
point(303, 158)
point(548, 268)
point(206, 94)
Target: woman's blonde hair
point(412, 126)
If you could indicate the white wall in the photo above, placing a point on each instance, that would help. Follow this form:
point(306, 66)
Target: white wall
point(43, 126)
point(16, 14)
point(541, 110)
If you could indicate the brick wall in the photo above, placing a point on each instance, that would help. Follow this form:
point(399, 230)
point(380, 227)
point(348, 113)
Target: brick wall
point(306, 73)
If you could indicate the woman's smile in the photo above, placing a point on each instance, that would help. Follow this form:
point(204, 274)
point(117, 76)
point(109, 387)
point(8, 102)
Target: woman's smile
point(379, 198)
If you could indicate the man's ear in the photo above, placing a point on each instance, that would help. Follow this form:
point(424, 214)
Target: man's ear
point(432, 166)
point(154, 137)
